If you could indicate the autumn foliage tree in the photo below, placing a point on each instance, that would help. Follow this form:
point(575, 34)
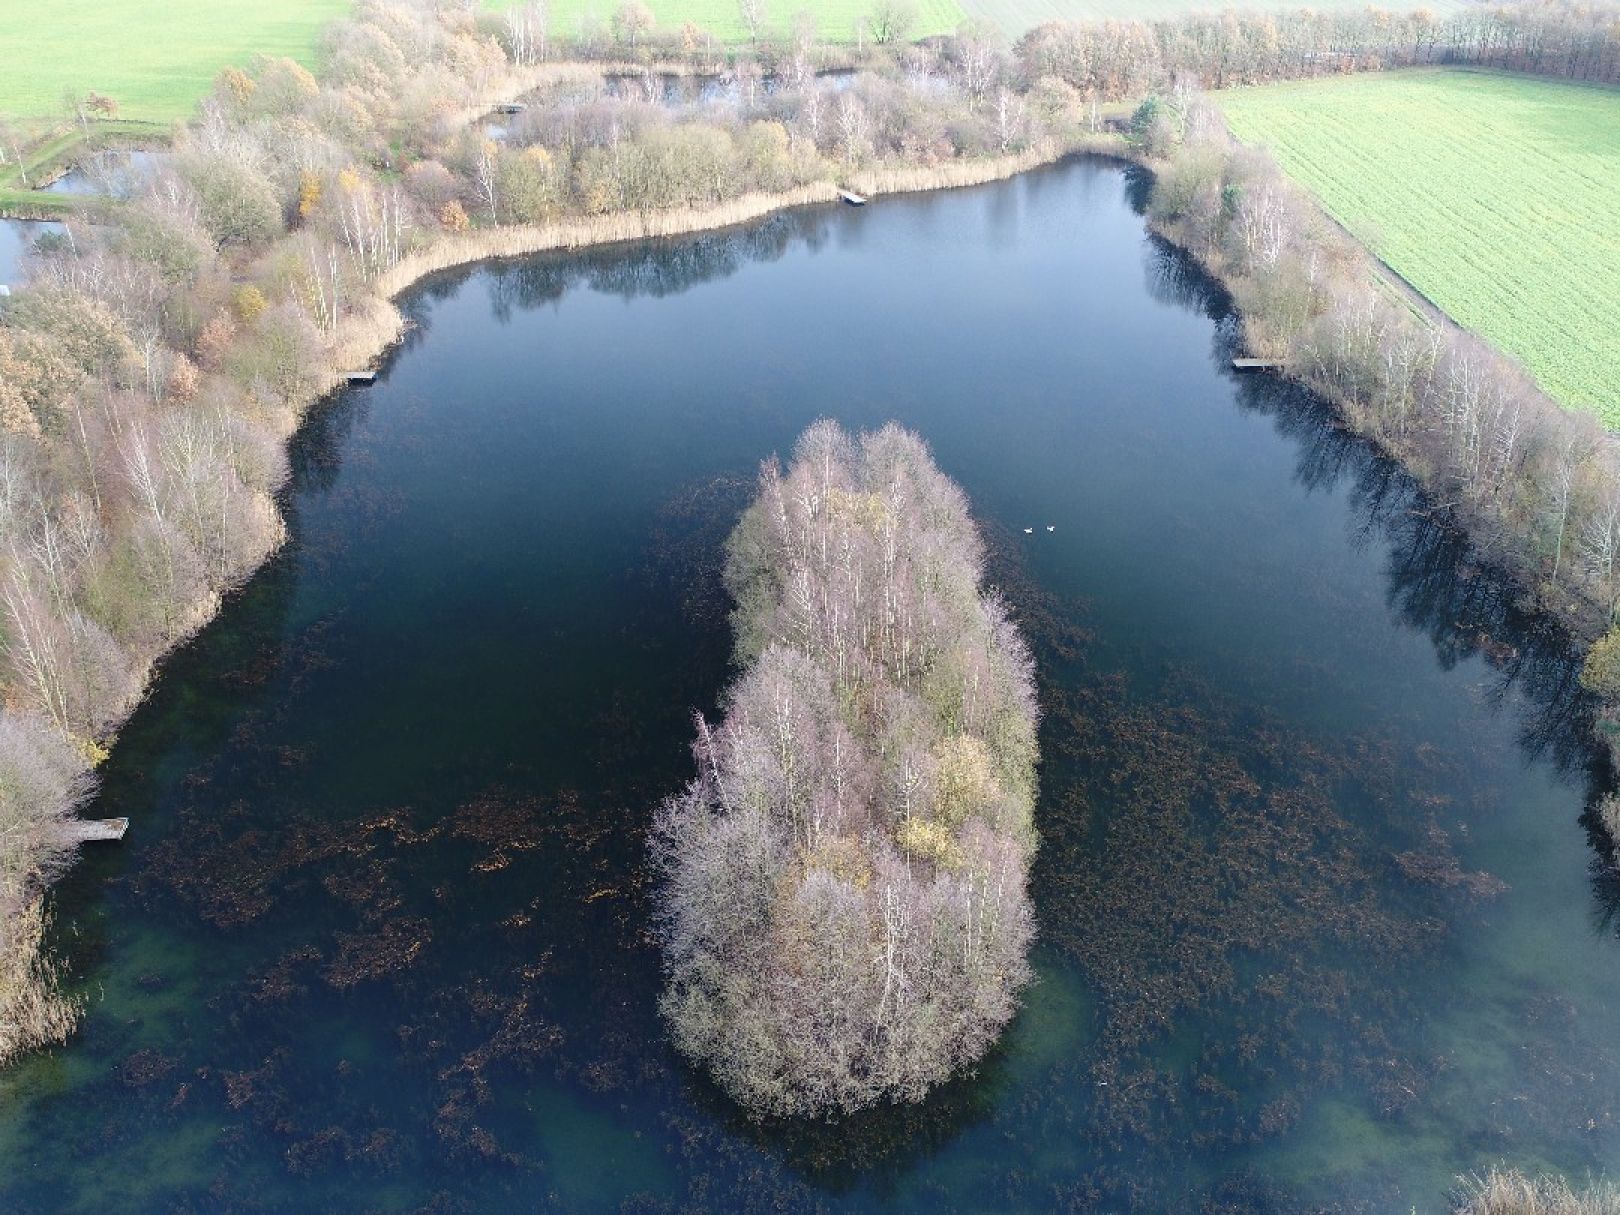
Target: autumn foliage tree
point(844, 909)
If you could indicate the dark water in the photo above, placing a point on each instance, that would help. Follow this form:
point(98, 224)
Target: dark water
point(1321, 922)
point(686, 88)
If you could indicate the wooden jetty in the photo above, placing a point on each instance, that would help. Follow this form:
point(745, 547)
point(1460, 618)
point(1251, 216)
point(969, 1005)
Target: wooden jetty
point(1256, 364)
point(89, 829)
point(360, 377)
point(852, 198)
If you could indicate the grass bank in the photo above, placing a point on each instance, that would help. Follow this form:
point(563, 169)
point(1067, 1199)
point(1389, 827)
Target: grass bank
point(50, 151)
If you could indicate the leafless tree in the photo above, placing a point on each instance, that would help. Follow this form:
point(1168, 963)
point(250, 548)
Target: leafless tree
point(1010, 119)
point(486, 169)
point(526, 33)
point(978, 59)
point(752, 13)
point(854, 127)
point(1572, 450)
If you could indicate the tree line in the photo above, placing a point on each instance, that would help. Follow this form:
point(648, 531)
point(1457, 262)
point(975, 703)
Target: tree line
point(1126, 59)
point(844, 907)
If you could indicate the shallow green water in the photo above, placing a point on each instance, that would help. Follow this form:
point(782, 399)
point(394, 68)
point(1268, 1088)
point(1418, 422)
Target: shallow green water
point(1320, 921)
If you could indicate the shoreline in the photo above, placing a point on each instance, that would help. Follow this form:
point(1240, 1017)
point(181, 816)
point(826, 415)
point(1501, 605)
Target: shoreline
point(1573, 613)
point(364, 338)
point(362, 341)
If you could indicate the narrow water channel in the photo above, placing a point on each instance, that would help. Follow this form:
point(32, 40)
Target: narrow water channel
point(1320, 919)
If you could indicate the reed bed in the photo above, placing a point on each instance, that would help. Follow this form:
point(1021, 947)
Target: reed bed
point(482, 244)
point(1510, 1192)
point(951, 174)
point(364, 337)
point(519, 240)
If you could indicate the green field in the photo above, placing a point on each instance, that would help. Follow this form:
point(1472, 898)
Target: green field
point(1498, 197)
point(155, 59)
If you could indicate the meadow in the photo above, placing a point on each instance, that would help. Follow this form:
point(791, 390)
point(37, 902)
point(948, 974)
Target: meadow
point(154, 60)
point(1493, 195)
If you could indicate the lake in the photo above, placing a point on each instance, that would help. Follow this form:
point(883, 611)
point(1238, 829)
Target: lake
point(1321, 920)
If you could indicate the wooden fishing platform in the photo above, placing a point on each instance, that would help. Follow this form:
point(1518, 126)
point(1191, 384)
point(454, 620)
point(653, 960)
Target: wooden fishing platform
point(90, 829)
point(852, 198)
point(1256, 364)
point(360, 377)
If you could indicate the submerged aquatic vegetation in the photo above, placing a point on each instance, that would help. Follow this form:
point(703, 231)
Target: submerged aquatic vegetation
point(844, 912)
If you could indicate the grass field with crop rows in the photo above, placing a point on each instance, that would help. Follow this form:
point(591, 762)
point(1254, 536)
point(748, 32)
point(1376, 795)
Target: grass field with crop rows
point(1497, 196)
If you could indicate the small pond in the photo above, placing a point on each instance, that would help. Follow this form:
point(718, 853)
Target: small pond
point(17, 238)
point(687, 88)
point(116, 173)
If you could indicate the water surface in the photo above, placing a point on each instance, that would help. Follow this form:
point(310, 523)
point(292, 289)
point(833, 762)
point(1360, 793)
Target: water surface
point(17, 237)
point(1320, 919)
point(114, 173)
point(691, 88)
